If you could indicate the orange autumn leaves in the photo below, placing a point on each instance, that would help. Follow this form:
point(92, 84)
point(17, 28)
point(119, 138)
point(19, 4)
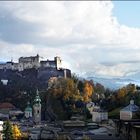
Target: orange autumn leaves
point(67, 89)
point(130, 88)
point(87, 91)
point(122, 92)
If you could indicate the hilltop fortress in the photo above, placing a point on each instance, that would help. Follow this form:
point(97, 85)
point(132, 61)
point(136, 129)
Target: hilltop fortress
point(32, 62)
point(45, 69)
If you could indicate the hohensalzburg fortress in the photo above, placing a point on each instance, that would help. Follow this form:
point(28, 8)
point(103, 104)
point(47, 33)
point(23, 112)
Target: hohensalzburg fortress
point(31, 62)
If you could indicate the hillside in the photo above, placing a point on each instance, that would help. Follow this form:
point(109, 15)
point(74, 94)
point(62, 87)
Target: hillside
point(22, 85)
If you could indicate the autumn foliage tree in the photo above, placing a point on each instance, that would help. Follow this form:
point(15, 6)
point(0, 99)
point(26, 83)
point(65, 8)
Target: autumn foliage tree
point(65, 89)
point(16, 132)
point(65, 93)
point(131, 88)
point(87, 91)
point(122, 92)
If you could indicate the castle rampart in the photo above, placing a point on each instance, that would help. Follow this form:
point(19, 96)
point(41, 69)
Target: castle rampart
point(32, 62)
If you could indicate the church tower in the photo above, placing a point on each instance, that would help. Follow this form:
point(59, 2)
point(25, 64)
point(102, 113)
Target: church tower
point(37, 108)
point(28, 111)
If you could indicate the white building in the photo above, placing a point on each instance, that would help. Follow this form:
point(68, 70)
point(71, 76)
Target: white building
point(4, 81)
point(129, 112)
point(97, 113)
point(34, 134)
point(28, 62)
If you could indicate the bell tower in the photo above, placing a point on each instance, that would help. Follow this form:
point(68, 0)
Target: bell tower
point(37, 108)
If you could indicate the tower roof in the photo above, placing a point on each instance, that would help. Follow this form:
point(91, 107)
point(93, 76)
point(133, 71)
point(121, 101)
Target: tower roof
point(37, 98)
point(131, 107)
point(28, 108)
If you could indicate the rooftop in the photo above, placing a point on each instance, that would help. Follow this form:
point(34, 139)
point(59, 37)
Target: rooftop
point(7, 105)
point(131, 107)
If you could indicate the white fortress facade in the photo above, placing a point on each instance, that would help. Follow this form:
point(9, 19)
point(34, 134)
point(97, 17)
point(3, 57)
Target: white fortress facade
point(31, 62)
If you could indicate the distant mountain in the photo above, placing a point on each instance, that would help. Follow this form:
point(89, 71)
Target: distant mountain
point(113, 83)
point(134, 76)
point(1, 62)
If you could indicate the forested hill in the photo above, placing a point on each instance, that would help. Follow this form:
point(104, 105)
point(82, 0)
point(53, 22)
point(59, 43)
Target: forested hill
point(20, 86)
point(23, 85)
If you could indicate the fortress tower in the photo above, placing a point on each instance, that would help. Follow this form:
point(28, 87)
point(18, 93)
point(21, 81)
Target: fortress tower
point(58, 62)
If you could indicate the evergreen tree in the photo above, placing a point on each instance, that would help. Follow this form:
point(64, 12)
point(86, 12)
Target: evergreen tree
point(7, 130)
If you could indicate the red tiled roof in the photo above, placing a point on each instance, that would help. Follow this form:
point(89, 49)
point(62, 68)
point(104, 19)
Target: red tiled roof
point(7, 105)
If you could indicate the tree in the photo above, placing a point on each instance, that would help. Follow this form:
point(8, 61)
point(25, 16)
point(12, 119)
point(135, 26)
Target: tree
point(65, 89)
point(80, 86)
point(87, 91)
point(75, 78)
point(64, 94)
point(131, 88)
point(7, 131)
point(16, 132)
point(122, 92)
point(99, 88)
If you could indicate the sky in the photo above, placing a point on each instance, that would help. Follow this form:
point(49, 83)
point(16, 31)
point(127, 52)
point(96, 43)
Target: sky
point(94, 38)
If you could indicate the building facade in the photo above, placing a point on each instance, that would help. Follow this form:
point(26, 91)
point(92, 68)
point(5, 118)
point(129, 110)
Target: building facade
point(32, 62)
point(37, 108)
point(98, 114)
point(129, 112)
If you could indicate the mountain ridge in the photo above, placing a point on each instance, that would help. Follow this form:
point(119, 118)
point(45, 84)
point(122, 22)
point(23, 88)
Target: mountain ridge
point(113, 83)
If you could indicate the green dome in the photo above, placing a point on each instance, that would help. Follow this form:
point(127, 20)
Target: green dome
point(28, 108)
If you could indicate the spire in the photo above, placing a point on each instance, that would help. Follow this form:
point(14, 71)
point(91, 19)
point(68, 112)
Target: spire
point(37, 92)
point(37, 98)
point(28, 103)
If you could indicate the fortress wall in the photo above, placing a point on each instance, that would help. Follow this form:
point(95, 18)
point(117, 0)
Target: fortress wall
point(46, 73)
point(47, 64)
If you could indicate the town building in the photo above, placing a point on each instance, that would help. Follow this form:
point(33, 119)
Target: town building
point(8, 110)
point(34, 112)
point(4, 81)
point(28, 111)
point(98, 114)
point(37, 108)
point(129, 112)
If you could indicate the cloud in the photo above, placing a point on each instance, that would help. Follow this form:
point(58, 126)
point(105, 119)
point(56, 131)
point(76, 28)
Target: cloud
point(84, 33)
